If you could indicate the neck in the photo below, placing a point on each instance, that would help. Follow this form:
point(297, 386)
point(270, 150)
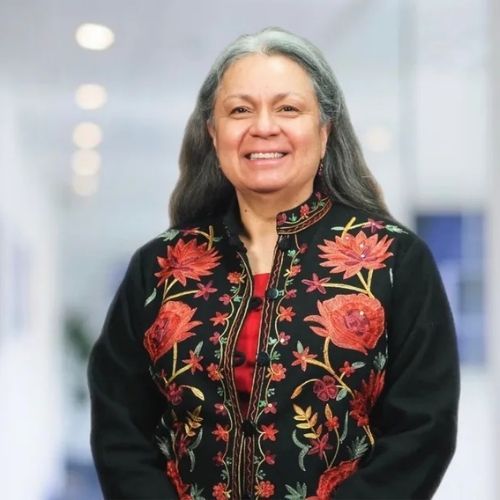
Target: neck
point(258, 212)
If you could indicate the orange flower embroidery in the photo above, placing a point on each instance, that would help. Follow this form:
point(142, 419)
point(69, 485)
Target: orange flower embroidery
point(365, 399)
point(221, 433)
point(331, 478)
point(269, 432)
point(172, 325)
point(187, 260)
point(265, 489)
point(286, 313)
point(352, 321)
point(276, 371)
point(349, 254)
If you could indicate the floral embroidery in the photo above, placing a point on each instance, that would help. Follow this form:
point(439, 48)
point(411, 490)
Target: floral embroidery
point(331, 478)
point(332, 372)
point(349, 254)
point(350, 321)
point(187, 260)
point(172, 325)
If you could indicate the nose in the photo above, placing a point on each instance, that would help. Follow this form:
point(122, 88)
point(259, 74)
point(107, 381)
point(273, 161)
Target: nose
point(264, 124)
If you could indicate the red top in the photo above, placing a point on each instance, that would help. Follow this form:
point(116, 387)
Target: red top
point(247, 342)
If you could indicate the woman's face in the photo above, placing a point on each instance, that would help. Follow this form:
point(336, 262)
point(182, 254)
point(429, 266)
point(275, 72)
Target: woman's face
point(266, 127)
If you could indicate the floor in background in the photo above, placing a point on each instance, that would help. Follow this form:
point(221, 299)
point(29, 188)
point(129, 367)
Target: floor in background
point(470, 475)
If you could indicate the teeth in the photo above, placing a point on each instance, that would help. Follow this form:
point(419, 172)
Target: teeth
point(265, 156)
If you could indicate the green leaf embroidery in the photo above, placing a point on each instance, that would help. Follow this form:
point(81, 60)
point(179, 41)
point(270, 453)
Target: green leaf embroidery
point(304, 448)
point(358, 448)
point(196, 492)
point(337, 228)
point(198, 348)
point(300, 347)
point(358, 364)
point(395, 229)
point(379, 361)
point(346, 425)
point(169, 234)
point(150, 298)
point(341, 394)
point(299, 493)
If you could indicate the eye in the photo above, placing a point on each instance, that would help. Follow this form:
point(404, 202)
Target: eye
point(289, 109)
point(239, 110)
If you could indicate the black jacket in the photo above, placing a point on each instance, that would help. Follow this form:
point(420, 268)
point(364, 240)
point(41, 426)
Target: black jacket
point(355, 389)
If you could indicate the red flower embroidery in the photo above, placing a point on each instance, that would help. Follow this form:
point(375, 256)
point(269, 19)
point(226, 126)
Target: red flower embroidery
point(319, 446)
point(270, 408)
point(187, 260)
point(350, 321)
point(283, 338)
point(172, 325)
point(265, 489)
point(302, 358)
point(349, 254)
point(365, 399)
point(293, 271)
point(214, 338)
point(219, 458)
point(286, 313)
point(304, 210)
point(194, 361)
point(174, 476)
point(374, 225)
point(174, 393)
point(225, 299)
point(269, 458)
point(291, 294)
point(316, 284)
point(347, 369)
point(205, 290)
point(235, 278)
point(332, 423)
point(276, 371)
point(213, 372)
point(331, 478)
point(221, 433)
point(219, 318)
point(325, 389)
point(220, 409)
point(269, 432)
point(220, 492)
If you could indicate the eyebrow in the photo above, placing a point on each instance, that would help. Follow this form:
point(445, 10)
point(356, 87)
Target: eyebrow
point(277, 97)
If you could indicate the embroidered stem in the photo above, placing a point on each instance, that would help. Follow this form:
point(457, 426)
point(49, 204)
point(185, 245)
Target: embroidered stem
point(369, 434)
point(346, 287)
point(348, 226)
point(181, 294)
point(365, 284)
point(167, 289)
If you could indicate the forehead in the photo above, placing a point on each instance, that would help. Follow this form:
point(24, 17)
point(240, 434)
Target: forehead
point(260, 74)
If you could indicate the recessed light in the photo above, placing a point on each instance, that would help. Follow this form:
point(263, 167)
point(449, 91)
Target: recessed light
point(87, 135)
point(90, 96)
point(94, 36)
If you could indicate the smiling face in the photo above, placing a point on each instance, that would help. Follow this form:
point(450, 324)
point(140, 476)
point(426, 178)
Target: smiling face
point(266, 127)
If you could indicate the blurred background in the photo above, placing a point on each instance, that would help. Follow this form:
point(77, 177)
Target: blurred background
point(94, 97)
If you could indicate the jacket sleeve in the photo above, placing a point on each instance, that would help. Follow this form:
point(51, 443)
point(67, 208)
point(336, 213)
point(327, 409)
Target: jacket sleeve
point(125, 404)
point(415, 419)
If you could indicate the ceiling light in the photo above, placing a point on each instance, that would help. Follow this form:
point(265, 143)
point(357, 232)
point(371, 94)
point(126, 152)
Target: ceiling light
point(94, 36)
point(85, 185)
point(379, 139)
point(90, 96)
point(86, 162)
point(87, 135)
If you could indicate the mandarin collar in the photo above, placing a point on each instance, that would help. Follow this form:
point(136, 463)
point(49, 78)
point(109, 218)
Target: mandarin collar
point(289, 221)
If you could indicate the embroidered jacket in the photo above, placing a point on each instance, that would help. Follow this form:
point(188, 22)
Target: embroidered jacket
point(355, 387)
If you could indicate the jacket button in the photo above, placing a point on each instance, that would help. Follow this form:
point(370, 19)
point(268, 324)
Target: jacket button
point(272, 293)
point(255, 302)
point(248, 428)
point(263, 359)
point(239, 358)
point(284, 243)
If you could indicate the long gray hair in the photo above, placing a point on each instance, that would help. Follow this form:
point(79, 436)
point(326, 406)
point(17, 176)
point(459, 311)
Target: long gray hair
point(203, 190)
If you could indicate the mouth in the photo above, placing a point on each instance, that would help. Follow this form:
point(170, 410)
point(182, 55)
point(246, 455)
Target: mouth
point(271, 155)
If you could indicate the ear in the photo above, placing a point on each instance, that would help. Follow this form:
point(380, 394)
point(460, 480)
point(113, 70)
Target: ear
point(324, 135)
point(211, 131)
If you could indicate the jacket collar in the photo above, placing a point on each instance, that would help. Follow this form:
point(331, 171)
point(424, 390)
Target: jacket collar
point(288, 222)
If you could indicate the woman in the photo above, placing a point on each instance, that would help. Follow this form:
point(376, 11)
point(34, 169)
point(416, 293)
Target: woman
point(286, 338)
